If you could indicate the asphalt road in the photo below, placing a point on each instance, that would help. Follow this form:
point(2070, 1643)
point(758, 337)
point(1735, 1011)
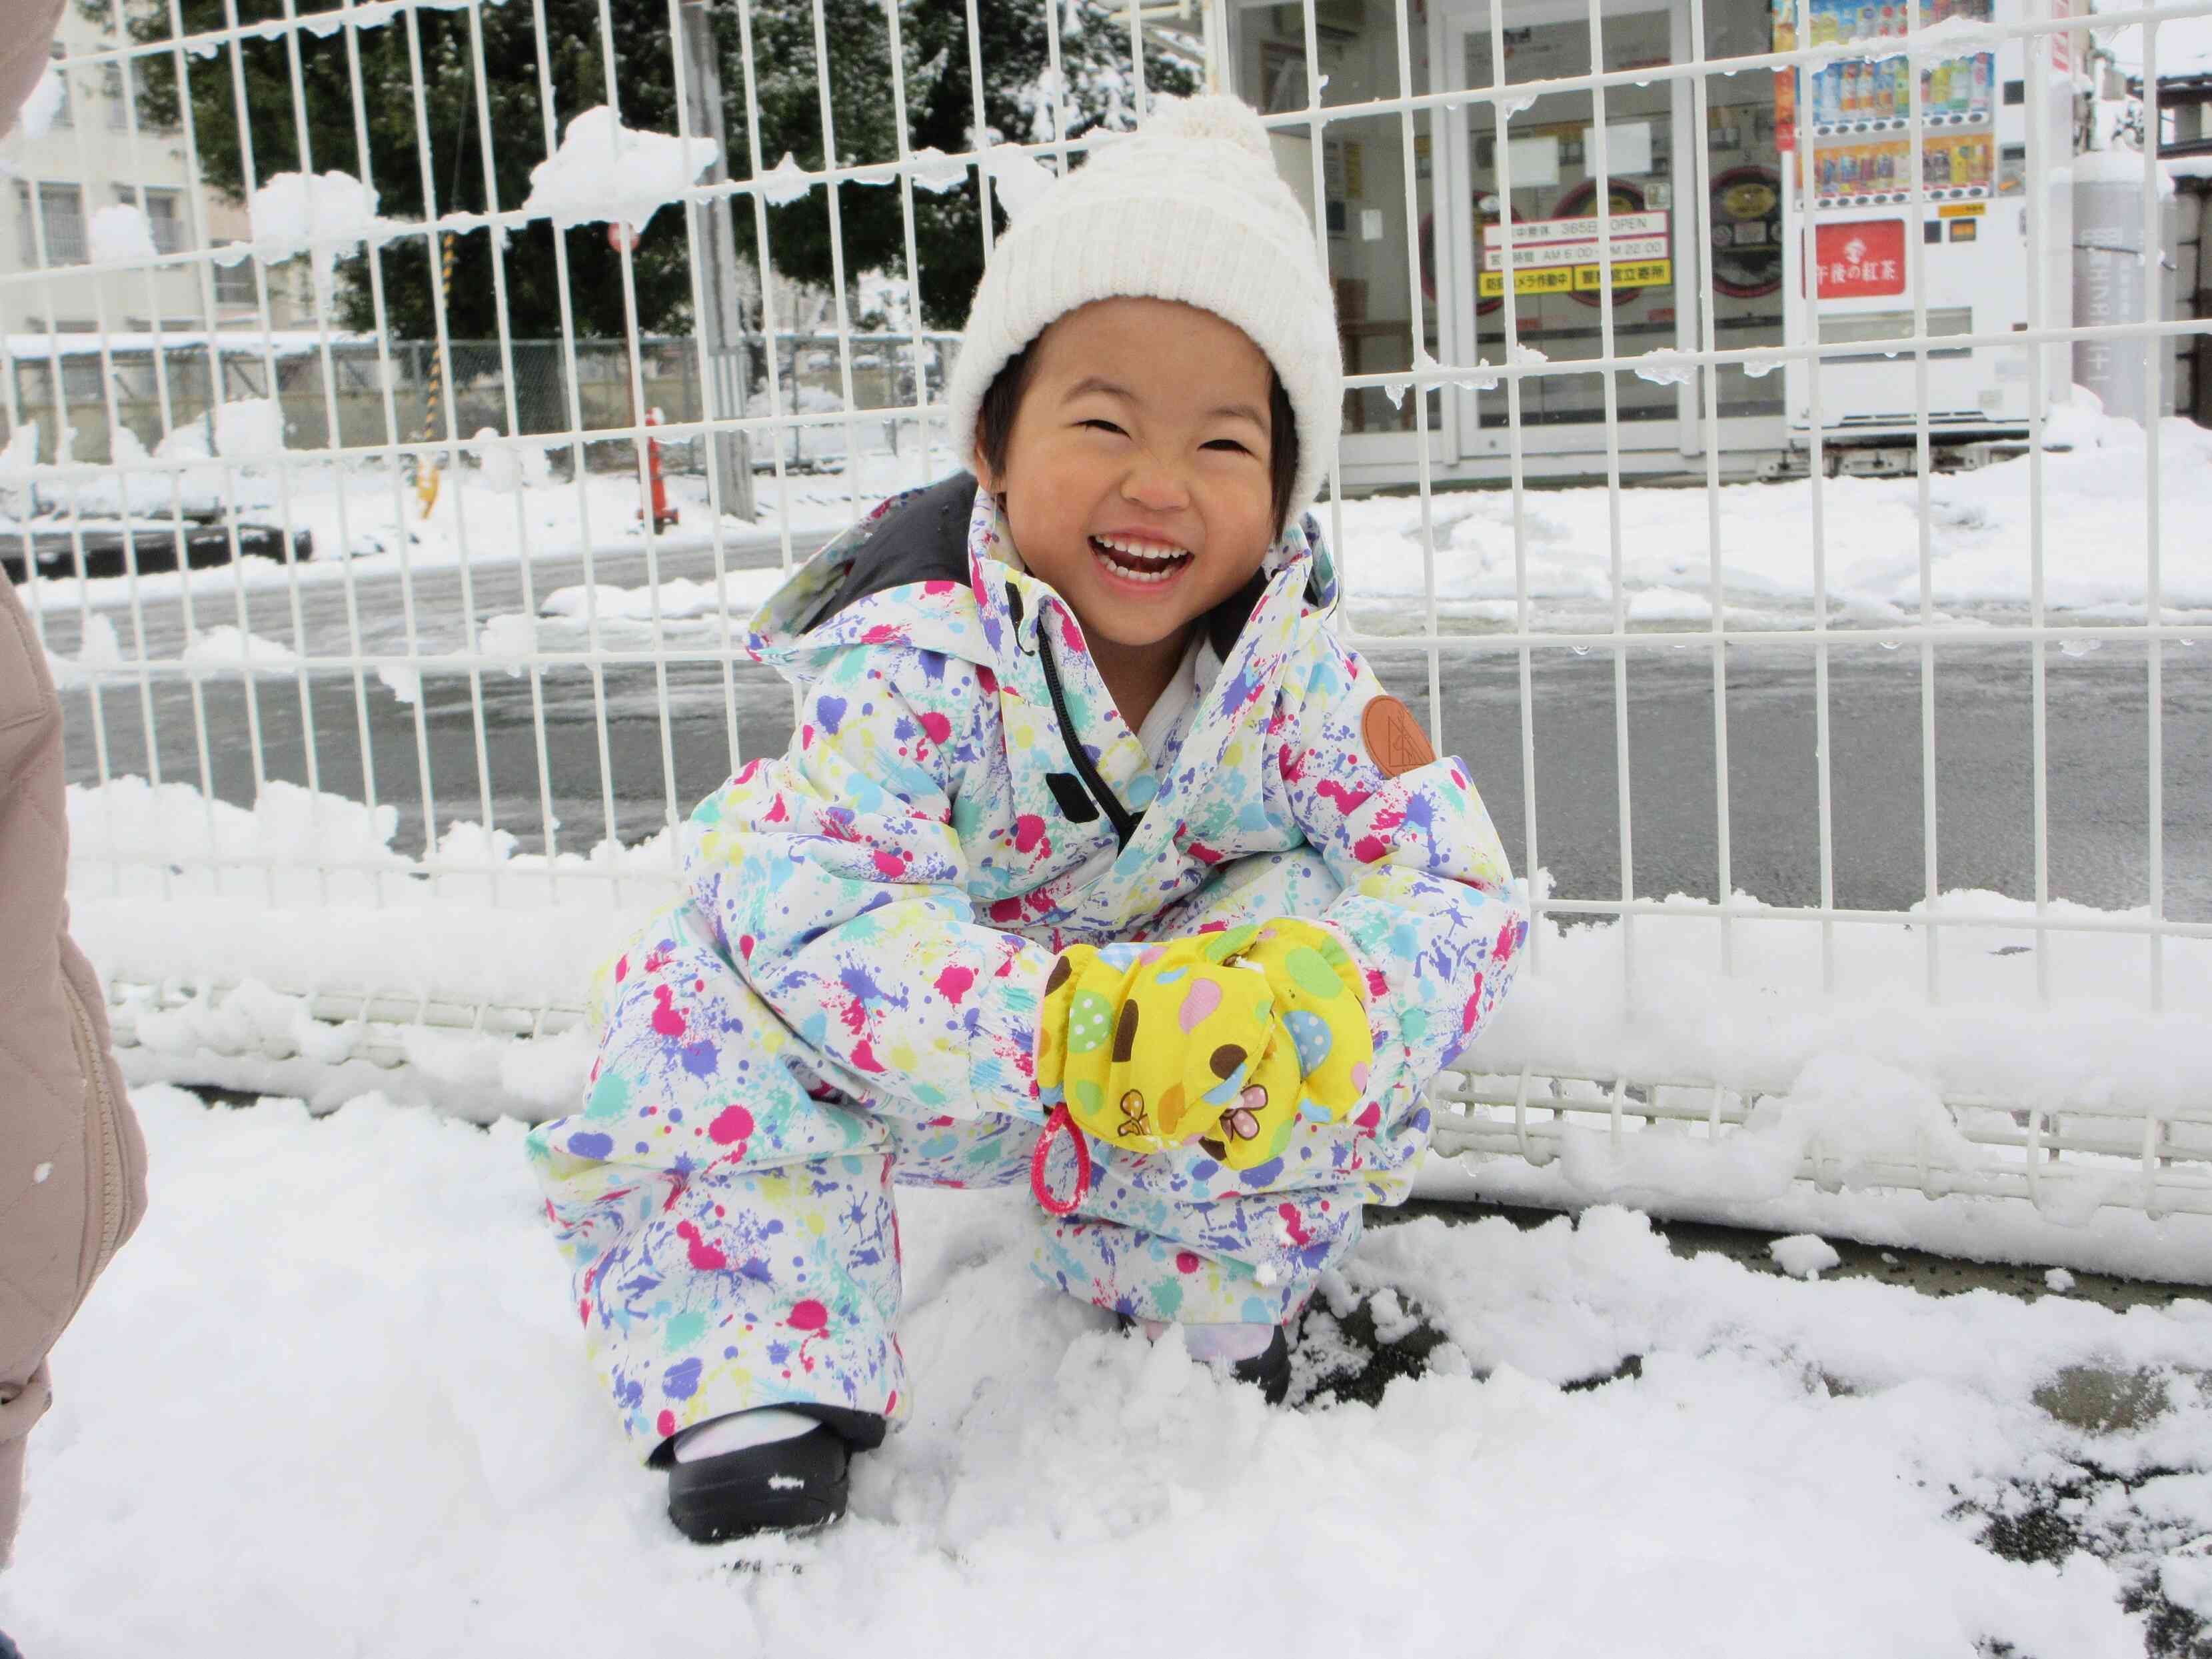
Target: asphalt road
point(2097, 745)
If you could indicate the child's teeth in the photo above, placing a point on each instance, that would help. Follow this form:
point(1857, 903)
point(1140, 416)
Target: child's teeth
point(1139, 564)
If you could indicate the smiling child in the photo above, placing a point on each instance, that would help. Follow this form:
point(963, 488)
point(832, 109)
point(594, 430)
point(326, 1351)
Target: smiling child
point(1095, 861)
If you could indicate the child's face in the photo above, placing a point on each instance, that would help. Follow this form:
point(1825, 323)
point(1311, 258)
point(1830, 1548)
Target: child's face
point(1137, 478)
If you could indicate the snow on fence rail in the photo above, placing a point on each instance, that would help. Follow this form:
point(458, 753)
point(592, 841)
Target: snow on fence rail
point(418, 797)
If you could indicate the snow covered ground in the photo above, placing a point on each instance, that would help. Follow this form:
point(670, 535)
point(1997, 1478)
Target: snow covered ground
point(331, 1400)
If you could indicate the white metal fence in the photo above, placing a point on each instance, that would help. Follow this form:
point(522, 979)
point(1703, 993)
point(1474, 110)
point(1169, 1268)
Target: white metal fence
point(520, 655)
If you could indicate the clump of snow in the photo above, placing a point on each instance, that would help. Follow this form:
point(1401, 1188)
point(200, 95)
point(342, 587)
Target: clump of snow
point(2119, 166)
point(375, 14)
point(1847, 1121)
point(2184, 1578)
point(739, 593)
point(1018, 178)
point(36, 118)
point(1852, 1118)
point(2060, 1280)
point(785, 183)
point(120, 231)
point(98, 649)
point(1668, 604)
point(1665, 365)
point(324, 217)
point(1786, 1447)
point(607, 170)
point(404, 684)
point(508, 468)
point(22, 454)
point(249, 429)
point(509, 640)
point(1804, 1256)
point(934, 170)
point(225, 648)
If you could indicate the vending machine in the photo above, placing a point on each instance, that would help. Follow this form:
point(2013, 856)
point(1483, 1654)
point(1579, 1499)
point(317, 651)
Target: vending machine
point(1851, 224)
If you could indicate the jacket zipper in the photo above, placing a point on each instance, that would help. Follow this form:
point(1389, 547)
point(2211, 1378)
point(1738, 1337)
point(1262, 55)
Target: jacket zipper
point(111, 1144)
point(1125, 822)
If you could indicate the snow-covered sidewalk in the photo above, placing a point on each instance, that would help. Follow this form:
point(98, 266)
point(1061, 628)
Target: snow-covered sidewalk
point(1474, 550)
point(331, 1400)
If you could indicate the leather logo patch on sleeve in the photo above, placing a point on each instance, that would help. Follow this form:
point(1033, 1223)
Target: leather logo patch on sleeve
point(1394, 739)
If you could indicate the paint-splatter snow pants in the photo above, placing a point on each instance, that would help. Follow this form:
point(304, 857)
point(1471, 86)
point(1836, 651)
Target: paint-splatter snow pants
point(752, 1258)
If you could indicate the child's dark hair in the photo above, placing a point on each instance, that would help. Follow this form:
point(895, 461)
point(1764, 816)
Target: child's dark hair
point(1005, 398)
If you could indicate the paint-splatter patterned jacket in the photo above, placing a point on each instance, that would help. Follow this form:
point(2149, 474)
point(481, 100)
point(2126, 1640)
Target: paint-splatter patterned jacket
point(962, 799)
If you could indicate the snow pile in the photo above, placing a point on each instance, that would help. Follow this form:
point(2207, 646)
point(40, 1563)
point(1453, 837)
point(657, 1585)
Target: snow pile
point(785, 183)
point(225, 647)
point(326, 218)
point(170, 888)
point(1857, 1079)
point(249, 429)
point(1855, 1122)
point(404, 684)
point(509, 468)
point(2184, 45)
point(1574, 1011)
point(607, 170)
point(120, 233)
point(1860, 1083)
point(738, 595)
point(1799, 1470)
point(36, 118)
point(509, 639)
point(1804, 1255)
point(98, 648)
point(2095, 529)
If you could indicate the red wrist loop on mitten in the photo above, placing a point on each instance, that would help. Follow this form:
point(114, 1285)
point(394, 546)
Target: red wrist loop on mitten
point(1059, 1120)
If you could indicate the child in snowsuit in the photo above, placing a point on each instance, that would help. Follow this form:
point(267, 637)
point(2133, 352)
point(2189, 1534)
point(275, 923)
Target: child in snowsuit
point(1089, 823)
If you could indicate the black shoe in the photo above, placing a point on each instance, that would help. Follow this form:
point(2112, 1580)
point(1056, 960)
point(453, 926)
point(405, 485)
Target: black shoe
point(1270, 1368)
point(786, 1486)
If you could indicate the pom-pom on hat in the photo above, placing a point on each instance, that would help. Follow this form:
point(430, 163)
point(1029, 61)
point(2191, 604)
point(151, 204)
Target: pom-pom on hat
point(1188, 207)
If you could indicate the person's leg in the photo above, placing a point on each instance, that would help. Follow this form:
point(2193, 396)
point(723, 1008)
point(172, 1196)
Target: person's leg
point(728, 1220)
point(20, 1405)
point(1178, 1237)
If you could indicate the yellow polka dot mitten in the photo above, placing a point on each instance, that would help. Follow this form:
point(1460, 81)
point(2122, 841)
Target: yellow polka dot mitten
point(1226, 1038)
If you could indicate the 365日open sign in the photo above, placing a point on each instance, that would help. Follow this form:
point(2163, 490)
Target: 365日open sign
point(1865, 259)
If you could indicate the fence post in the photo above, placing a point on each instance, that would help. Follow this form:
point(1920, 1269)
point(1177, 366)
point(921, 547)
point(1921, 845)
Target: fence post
point(720, 326)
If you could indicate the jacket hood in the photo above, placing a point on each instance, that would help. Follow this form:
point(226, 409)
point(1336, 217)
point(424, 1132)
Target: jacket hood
point(935, 569)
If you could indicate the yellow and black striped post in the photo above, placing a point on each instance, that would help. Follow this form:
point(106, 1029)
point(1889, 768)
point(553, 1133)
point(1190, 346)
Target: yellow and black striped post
point(426, 468)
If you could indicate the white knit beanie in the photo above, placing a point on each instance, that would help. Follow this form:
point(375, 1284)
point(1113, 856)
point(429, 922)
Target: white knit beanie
point(1189, 207)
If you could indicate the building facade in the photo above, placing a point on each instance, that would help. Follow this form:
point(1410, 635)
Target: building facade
point(1416, 260)
point(97, 151)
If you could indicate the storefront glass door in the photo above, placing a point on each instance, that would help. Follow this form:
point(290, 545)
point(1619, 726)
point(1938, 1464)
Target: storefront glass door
point(1549, 185)
point(1352, 180)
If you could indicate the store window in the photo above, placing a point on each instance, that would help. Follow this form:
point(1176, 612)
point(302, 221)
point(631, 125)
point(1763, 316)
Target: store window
point(1744, 170)
point(1547, 181)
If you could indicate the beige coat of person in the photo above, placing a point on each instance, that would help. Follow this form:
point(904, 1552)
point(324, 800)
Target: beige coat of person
point(72, 1165)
